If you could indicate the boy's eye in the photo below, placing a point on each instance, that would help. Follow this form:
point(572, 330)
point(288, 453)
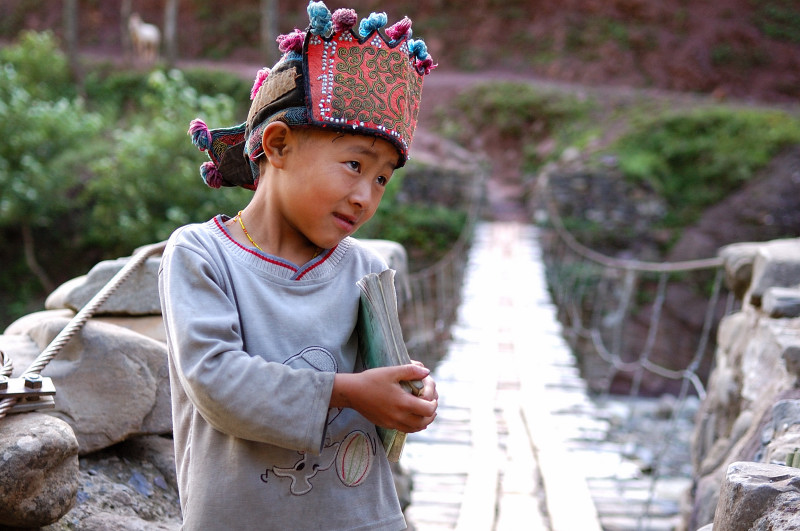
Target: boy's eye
point(382, 180)
point(354, 165)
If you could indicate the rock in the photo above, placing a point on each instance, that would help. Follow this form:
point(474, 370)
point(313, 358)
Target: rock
point(776, 264)
point(106, 521)
point(128, 486)
point(782, 302)
point(137, 295)
point(738, 261)
point(705, 500)
point(59, 298)
point(38, 469)
point(158, 451)
point(791, 358)
point(782, 435)
point(21, 349)
point(111, 383)
point(26, 322)
point(151, 326)
point(394, 254)
point(785, 413)
point(758, 496)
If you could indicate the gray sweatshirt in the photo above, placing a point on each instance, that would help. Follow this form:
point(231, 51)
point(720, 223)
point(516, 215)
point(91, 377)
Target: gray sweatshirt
point(254, 342)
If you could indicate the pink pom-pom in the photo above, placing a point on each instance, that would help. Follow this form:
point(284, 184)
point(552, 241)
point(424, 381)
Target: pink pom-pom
point(261, 76)
point(293, 42)
point(426, 65)
point(397, 30)
point(201, 136)
point(211, 175)
point(344, 19)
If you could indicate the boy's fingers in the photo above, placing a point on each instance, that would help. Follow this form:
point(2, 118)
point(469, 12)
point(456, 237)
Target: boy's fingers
point(412, 372)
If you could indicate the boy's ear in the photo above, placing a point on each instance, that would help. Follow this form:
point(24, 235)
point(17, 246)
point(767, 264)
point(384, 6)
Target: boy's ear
point(274, 141)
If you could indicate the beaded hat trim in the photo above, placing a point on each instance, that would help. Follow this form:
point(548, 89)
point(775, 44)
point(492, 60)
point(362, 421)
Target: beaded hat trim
point(331, 76)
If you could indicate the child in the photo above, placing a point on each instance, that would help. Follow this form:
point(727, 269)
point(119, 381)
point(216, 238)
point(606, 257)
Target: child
point(274, 421)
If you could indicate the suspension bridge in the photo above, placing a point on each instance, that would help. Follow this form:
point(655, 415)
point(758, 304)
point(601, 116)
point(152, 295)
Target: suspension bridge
point(524, 437)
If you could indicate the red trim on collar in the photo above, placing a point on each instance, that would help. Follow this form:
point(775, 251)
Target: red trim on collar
point(327, 255)
point(254, 253)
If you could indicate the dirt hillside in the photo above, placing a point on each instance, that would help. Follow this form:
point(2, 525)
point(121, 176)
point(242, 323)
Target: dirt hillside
point(743, 49)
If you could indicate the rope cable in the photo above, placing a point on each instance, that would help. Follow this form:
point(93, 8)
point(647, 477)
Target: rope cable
point(80, 319)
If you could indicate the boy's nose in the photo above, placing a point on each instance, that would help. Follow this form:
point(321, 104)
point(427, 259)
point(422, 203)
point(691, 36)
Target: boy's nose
point(361, 194)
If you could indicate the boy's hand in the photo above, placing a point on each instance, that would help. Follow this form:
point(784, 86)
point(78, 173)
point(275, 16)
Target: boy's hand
point(377, 394)
point(429, 389)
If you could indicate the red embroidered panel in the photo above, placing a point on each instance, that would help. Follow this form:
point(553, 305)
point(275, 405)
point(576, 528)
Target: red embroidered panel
point(368, 85)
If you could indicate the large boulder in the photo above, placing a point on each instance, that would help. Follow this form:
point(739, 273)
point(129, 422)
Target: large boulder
point(39, 470)
point(137, 295)
point(111, 383)
point(758, 496)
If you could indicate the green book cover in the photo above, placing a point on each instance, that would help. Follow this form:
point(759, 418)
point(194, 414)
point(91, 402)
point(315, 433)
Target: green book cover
point(380, 342)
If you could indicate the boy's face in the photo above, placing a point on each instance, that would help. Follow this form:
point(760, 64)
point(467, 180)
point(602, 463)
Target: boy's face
point(333, 183)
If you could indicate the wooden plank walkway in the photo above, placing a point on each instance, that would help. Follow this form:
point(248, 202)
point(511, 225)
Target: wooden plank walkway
point(495, 457)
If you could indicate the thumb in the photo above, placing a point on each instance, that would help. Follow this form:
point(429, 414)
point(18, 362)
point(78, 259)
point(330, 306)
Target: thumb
point(412, 372)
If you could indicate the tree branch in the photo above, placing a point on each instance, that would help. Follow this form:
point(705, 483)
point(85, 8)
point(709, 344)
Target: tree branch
point(30, 259)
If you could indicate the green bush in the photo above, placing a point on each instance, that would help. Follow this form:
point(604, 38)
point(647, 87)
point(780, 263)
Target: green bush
point(42, 169)
point(85, 180)
point(116, 92)
point(778, 19)
point(694, 159)
point(517, 109)
point(148, 183)
point(39, 65)
point(520, 116)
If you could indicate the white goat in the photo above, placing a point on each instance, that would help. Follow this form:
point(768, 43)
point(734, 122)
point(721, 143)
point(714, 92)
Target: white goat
point(145, 39)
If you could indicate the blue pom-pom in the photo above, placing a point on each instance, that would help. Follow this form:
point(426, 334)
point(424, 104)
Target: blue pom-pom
point(374, 22)
point(320, 18)
point(418, 48)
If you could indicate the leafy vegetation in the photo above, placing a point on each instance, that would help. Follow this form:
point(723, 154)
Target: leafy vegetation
point(517, 109)
point(520, 115)
point(778, 19)
point(87, 178)
point(694, 159)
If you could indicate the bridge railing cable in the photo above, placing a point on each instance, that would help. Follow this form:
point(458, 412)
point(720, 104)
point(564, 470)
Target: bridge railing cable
point(434, 291)
point(598, 298)
point(637, 328)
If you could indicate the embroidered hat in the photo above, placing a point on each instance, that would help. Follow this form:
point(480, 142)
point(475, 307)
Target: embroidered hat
point(331, 76)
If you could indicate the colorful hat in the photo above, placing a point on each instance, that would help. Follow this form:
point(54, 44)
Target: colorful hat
point(330, 76)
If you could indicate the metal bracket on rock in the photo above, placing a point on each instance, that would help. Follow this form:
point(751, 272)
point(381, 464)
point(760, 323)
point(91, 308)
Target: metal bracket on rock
point(32, 392)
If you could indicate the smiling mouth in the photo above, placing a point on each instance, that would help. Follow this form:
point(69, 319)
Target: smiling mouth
point(347, 219)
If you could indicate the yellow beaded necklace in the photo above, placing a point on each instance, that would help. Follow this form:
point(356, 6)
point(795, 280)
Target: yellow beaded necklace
point(241, 224)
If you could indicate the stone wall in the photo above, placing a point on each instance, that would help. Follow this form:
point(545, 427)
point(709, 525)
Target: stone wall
point(750, 419)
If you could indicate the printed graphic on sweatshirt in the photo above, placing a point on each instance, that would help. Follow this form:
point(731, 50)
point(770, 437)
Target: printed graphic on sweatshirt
point(352, 456)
